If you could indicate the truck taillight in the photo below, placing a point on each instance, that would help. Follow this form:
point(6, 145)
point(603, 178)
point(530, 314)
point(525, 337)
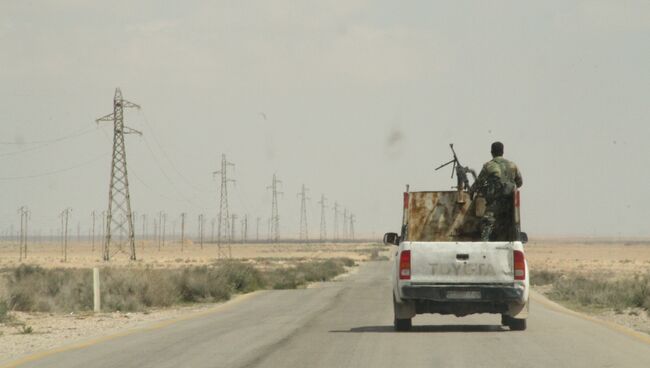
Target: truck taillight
point(406, 200)
point(520, 265)
point(405, 265)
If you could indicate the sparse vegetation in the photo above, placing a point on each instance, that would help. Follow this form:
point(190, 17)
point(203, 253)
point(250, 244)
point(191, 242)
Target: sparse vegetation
point(36, 289)
point(597, 291)
point(4, 311)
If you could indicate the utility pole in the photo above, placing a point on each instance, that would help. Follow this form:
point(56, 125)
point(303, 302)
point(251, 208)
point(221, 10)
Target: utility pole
point(336, 221)
point(119, 199)
point(257, 229)
point(155, 232)
point(212, 222)
point(201, 223)
point(304, 232)
point(323, 224)
point(92, 215)
point(275, 217)
point(164, 226)
point(183, 230)
point(65, 216)
point(144, 228)
point(103, 226)
point(222, 230)
point(24, 217)
point(345, 224)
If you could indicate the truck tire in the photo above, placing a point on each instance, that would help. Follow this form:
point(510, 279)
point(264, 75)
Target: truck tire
point(402, 324)
point(515, 324)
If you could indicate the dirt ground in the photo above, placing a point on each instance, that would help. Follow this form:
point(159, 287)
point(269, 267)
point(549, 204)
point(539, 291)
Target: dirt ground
point(614, 259)
point(611, 258)
point(81, 255)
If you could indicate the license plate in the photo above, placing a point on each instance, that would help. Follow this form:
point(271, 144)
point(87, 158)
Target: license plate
point(463, 294)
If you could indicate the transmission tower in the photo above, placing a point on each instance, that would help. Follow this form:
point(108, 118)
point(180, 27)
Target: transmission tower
point(353, 219)
point(275, 217)
point(201, 225)
point(224, 217)
point(65, 217)
point(244, 229)
point(304, 232)
point(257, 229)
point(336, 221)
point(119, 221)
point(323, 224)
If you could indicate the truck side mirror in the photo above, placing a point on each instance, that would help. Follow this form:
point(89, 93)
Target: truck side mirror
point(391, 238)
point(523, 237)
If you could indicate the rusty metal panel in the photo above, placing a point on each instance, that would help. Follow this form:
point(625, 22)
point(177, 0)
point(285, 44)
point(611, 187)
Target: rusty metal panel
point(441, 216)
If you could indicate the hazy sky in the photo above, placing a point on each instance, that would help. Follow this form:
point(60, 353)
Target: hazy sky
point(353, 98)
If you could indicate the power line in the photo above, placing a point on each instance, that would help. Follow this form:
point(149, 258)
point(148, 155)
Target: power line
point(48, 173)
point(74, 134)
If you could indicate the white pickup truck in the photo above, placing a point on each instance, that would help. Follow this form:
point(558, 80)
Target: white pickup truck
point(442, 266)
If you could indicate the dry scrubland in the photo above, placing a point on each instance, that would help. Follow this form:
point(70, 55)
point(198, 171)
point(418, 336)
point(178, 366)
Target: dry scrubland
point(608, 278)
point(165, 277)
point(45, 302)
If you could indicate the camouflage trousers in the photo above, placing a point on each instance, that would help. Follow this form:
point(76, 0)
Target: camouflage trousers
point(496, 222)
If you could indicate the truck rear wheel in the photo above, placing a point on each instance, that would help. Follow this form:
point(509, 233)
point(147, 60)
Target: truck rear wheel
point(515, 324)
point(402, 324)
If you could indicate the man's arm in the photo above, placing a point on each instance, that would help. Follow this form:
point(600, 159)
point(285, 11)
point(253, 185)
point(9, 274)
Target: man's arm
point(480, 181)
point(518, 179)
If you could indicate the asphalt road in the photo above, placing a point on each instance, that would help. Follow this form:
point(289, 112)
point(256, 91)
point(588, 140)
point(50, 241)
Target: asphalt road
point(349, 324)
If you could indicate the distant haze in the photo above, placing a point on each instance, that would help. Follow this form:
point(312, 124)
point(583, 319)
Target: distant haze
point(353, 98)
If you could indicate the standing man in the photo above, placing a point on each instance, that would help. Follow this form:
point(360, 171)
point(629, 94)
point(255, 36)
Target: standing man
point(496, 183)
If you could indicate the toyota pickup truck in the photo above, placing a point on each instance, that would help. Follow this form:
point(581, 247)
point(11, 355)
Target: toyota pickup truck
point(442, 266)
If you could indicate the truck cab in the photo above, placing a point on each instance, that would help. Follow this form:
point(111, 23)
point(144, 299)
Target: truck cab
point(442, 266)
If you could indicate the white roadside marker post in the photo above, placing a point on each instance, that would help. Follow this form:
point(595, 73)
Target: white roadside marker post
point(96, 295)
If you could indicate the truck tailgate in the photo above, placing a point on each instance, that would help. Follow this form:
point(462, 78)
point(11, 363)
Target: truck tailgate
point(461, 262)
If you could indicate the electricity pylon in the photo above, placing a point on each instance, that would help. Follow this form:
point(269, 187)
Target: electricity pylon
point(353, 219)
point(119, 221)
point(275, 217)
point(224, 217)
point(65, 217)
point(336, 221)
point(201, 224)
point(304, 232)
point(244, 229)
point(323, 223)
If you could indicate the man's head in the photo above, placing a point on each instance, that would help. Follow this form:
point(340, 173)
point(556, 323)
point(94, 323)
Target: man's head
point(497, 149)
